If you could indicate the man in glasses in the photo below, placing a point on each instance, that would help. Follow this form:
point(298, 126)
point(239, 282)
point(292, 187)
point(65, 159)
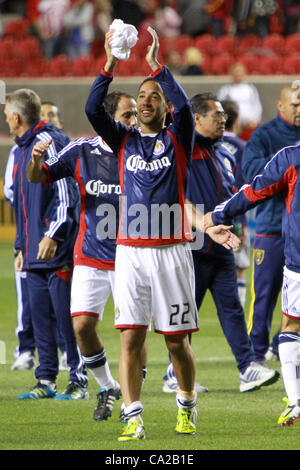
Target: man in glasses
point(211, 182)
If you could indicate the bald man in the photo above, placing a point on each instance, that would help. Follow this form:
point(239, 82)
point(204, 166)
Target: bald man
point(282, 131)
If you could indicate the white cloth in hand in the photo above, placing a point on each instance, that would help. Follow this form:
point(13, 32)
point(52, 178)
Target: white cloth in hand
point(124, 38)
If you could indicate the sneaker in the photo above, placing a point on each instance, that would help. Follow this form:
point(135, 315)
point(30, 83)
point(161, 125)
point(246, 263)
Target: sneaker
point(41, 390)
point(24, 361)
point(106, 399)
point(63, 364)
point(73, 392)
point(289, 415)
point(133, 430)
point(186, 421)
point(170, 386)
point(256, 376)
point(271, 355)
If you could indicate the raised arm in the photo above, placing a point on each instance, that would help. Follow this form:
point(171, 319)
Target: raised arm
point(35, 171)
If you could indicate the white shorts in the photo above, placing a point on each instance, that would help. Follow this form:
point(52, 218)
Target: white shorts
point(156, 283)
point(290, 294)
point(90, 291)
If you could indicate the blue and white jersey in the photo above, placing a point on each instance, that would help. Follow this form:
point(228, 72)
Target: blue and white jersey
point(153, 168)
point(41, 210)
point(280, 176)
point(92, 164)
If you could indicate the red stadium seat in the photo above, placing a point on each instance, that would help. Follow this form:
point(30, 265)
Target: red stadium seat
point(291, 64)
point(274, 42)
point(36, 67)
point(206, 43)
point(251, 62)
point(220, 64)
point(271, 65)
point(6, 49)
point(182, 42)
point(16, 29)
point(227, 43)
point(60, 66)
point(84, 67)
point(11, 68)
point(248, 43)
point(28, 48)
point(292, 44)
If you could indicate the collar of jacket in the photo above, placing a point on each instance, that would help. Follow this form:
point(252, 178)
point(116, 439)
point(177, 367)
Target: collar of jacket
point(30, 134)
point(286, 124)
point(207, 141)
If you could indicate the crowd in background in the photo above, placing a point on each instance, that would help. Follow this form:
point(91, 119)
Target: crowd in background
point(76, 27)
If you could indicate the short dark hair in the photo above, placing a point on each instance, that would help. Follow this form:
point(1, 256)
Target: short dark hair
point(200, 103)
point(112, 100)
point(231, 108)
point(149, 79)
point(50, 103)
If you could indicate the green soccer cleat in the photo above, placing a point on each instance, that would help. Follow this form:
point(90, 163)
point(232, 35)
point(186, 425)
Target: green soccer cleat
point(38, 392)
point(133, 430)
point(73, 392)
point(289, 415)
point(186, 421)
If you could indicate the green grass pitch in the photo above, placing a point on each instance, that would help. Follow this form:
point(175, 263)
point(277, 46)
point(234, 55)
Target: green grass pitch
point(227, 419)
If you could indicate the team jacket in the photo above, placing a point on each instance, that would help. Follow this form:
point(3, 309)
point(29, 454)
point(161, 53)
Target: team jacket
point(281, 175)
point(43, 210)
point(153, 168)
point(262, 146)
point(90, 162)
point(210, 181)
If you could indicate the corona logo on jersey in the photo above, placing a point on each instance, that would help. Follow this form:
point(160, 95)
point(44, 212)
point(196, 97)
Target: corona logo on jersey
point(259, 256)
point(136, 162)
point(97, 187)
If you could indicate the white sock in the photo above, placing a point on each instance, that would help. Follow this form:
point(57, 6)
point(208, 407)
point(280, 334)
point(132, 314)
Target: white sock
point(289, 354)
point(242, 290)
point(134, 410)
point(103, 376)
point(99, 368)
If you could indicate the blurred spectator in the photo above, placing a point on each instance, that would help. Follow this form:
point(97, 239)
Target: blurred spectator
point(46, 17)
point(162, 17)
point(174, 62)
point(103, 18)
point(219, 11)
point(129, 11)
point(247, 97)
point(78, 22)
point(194, 17)
point(193, 59)
point(291, 11)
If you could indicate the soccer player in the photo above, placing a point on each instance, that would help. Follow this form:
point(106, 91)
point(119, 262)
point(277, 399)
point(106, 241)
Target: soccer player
point(90, 162)
point(47, 224)
point(280, 176)
point(154, 270)
point(268, 244)
point(211, 181)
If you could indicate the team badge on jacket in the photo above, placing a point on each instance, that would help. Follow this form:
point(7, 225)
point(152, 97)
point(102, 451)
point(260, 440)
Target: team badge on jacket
point(159, 148)
point(259, 256)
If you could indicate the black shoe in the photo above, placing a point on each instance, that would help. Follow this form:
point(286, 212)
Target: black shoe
point(106, 399)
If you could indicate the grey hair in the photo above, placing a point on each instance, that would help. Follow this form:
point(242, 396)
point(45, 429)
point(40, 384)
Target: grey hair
point(26, 103)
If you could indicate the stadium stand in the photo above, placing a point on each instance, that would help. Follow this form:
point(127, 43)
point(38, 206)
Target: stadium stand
point(276, 53)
